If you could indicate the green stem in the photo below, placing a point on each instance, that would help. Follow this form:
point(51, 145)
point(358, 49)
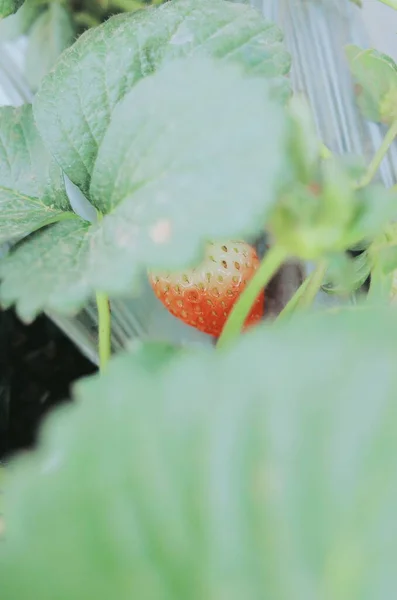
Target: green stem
point(127, 5)
point(270, 264)
point(325, 152)
point(293, 303)
point(380, 288)
point(391, 3)
point(104, 329)
point(85, 19)
point(306, 293)
point(379, 156)
point(313, 287)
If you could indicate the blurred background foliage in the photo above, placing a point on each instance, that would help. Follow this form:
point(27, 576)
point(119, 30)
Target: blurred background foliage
point(49, 27)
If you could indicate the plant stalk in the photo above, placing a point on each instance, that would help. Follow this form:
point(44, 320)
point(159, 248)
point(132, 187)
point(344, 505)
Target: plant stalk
point(314, 285)
point(391, 3)
point(379, 156)
point(127, 5)
point(307, 292)
point(240, 311)
point(104, 330)
point(325, 152)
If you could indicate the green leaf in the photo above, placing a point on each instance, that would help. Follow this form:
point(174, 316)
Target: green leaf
point(167, 176)
point(46, 271)
point(51, 34)
point(151, 356)
point(32, 190)
point(74, 105)
point(347, 274)
point(382, 254)
point(169, 173)
point(393, 288)
point(376, 76)
point(381, 291)
point(387, 257)
point(20, 22)
point(383, 249)
point(329, 215)
point(2, 483)
point(8, 7)
point(200, 483)
point(305, 144)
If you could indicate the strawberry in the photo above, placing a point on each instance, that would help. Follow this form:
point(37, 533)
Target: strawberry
point(204, 296)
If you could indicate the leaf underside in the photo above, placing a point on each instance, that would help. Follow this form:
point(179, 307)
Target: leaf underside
point(278, 484)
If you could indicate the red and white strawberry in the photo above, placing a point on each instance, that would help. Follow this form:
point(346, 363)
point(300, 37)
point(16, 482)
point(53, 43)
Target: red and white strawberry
point(204, 296)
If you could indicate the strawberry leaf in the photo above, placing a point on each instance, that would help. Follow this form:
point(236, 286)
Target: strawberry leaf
point(329, 215)
point(376, 76)
point(54, 258)
point(19, 23)
point(347, 274)
point(198, 482)
point(51, 33)
point(32, 191)
point(74, 106)
point(8, 7)
point(168, 173)
point(383, 250)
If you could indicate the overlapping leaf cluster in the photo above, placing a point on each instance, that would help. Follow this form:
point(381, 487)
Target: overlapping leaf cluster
point(163, 118)
point(266, 470)
point(375, 75)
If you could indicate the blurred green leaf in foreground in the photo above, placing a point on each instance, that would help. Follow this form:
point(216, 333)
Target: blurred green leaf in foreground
point(264, 472)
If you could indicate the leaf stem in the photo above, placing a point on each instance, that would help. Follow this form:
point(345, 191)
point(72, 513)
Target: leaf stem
point(379, 156)
point(316, 279)
point(104, 329)
point(306, 293)
point(380, 287)
point(293, 302)
point(85, 19)
point(127, 5)
point(391, 3)
point(240, 311)
point(325, 152)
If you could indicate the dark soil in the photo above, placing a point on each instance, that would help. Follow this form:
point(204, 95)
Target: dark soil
point(38, 364)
